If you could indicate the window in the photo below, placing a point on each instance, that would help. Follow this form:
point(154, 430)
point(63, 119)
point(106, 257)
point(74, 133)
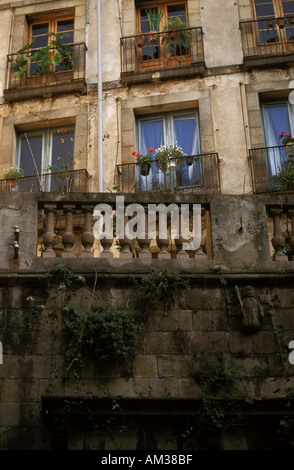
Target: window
point(156, 48)
point(269, 13)
point(41, 34)
point(40, 149)
point(277, 117)
point(170, 128)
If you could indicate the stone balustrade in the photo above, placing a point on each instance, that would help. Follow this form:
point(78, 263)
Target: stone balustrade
point(143, 246)
point(235, 231)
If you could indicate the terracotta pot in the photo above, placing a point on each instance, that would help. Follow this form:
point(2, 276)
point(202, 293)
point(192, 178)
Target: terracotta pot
point(12, 182)
point(153, 36)
point(172, 62)
point(281, 22)
point(270, 23)
point(140, 41)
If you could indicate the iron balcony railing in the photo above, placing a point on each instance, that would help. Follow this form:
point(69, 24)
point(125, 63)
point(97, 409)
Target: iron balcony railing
point(267, 37)
point(159, 50)
point(33, 76)
point(65, 182)
point(193, 174)
point(271, 169)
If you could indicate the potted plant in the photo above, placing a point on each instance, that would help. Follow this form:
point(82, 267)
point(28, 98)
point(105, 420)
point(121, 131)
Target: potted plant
point(154, 17)
point(144, 160)
point(56, 56)
point(288, 142)
point(13, 175)
point(176, 30)
point(166, 156)
point(284, 179)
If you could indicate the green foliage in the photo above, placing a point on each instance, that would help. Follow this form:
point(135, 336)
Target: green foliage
point(284, 179)
point(154, 18)
point(56, 56)
point(108, 335)
point(286, 425)
point(218, 410)
point(158, 286)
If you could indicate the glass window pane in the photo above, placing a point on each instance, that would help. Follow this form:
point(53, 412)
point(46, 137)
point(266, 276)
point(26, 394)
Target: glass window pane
point(264, 11)
point(30, 159)
point(63, 148)
point(65, 25)
point(177, 10)
point(39, 29)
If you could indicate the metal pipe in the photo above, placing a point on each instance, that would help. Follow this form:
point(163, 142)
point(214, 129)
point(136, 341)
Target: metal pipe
point(99, 82)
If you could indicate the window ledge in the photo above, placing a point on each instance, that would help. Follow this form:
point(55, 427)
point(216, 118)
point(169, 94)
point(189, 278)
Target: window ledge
point(29, 92)
point(163, 74)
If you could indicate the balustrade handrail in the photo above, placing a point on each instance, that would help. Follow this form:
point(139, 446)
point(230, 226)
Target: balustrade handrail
point(77, 69)
point(73, 181)
point(265, 163)
point(160, 51)
point(189, 174)
point(263, 37)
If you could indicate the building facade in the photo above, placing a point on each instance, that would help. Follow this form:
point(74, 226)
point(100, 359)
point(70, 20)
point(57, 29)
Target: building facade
point(83, 91)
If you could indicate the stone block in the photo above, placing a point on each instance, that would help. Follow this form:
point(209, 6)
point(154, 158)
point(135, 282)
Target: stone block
point(174, 319)
point(174, 366)
point(145, 366)
point(258, 343)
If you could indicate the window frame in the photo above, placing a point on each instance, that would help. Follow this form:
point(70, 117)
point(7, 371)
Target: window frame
point(157, 62)
point(278, 33)
point(47, 135)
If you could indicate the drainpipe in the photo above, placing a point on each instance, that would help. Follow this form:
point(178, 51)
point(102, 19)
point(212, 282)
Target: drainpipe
point(99, 66)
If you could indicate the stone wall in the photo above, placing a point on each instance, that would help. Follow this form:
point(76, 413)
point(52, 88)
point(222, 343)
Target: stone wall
point(160, 393)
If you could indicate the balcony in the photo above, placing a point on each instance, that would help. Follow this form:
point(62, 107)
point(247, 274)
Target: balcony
point(143, 55)
point(73, 181)
point(269, 41)
point(64, 79)
point(194, 174)
point(234, 232)
point(265, 162)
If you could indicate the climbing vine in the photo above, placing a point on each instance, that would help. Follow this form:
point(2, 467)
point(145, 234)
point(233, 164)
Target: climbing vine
point(218, 409)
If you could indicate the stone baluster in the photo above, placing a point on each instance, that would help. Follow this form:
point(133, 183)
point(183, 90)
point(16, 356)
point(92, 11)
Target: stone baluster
point(106, 244)
point(125, 244)
point(144, 245)
point(68, 237)
point(162, 244)
point(48, 238)
point(181, 254)
point(291, 241)
point(87, 237)
point(278, 241)
point(200, 252)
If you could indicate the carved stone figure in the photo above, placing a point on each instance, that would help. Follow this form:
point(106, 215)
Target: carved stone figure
point(251, 309)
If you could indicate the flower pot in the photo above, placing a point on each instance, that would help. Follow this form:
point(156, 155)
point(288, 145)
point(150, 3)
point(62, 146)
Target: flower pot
point(189, 161)
point(140, 41)
point(281, 22)
point(145, 168)
point(172, 165)
point(290, 150)
point(12, 182)
point(153, 36)
point(270, 23)
point(172, 62)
